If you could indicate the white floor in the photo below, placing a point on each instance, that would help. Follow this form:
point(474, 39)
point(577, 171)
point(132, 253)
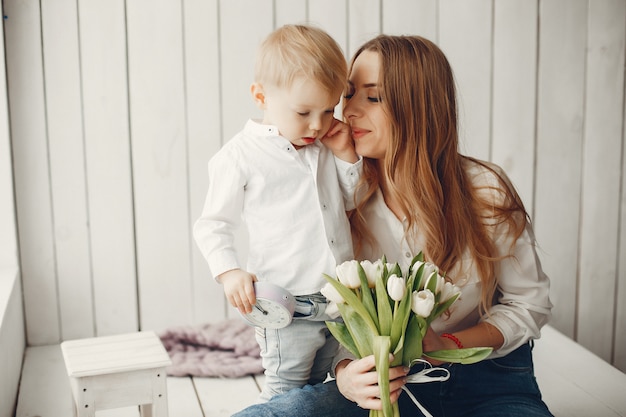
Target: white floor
point(574, 383)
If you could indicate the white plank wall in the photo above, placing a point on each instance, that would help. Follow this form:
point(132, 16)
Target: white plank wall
point(560, 88)
point(117, 105)
point(66, 158)
point(32, 173)
point(104, 82)
point(8, 229)
point(601, 172)
point(203, 91)
point(12, 326)
point(513, 107)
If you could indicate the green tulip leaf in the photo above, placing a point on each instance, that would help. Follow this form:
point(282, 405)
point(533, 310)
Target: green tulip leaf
point(412, 341)
point(385, 315)
point(443, 307)
point(465, 356)
point(366, 295)
point(419, 275)
point(432, 283)
point(418, 257)
point(352, 300)
point(381, 356)
point(343, 336)
point(395, 270)
point(360, 331)
point(398, 353)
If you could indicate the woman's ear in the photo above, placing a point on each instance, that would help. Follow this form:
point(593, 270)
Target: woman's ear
point(258, 95)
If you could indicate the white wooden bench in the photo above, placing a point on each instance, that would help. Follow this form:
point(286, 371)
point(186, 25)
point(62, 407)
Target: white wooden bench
point(574, 381)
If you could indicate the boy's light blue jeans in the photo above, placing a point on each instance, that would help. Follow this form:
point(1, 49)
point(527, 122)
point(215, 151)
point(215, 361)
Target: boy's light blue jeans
point(497, 387)
point(299, 354)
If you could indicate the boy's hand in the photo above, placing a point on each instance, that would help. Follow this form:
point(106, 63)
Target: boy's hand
point(239, 289)
point(339, 141)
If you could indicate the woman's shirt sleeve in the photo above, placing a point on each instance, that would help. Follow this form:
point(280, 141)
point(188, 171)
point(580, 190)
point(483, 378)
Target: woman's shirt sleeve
point(522, 306)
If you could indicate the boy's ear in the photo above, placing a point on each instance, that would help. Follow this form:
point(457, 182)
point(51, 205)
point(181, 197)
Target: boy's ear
point(258, 95)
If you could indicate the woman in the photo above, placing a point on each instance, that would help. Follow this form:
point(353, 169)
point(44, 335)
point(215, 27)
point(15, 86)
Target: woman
point(419, 193)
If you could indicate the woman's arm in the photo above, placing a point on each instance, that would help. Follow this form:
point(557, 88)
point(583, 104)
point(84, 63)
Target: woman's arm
point(481, 335)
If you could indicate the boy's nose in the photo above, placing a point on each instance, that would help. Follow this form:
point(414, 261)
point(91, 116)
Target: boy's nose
point(315, 125)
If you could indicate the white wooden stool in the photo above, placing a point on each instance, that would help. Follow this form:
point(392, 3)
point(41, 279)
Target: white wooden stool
point(118, 371)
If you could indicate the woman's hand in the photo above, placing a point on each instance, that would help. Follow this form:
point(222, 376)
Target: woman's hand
point(432, 341)
point(339, 140)
point(358, 381)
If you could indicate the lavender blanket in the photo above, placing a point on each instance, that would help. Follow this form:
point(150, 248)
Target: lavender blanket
point(225, 349)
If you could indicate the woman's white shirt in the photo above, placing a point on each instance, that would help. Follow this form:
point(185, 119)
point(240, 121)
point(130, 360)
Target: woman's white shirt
point(523, 305)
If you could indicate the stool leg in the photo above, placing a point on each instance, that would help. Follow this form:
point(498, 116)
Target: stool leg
point(158, 408)
point(145, 410)
point(84, 401)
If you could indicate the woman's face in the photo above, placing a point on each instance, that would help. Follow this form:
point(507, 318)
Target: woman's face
point(364, 109)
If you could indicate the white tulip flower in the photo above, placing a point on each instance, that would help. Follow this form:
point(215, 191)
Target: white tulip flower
point(440, 281)
point(331, 293)
point(348, 274)
point(448, 291)
point(332, 310)
point(396, 287)
point(422, 302)
point(429, 269)
point(415, 268)
point(372, 271)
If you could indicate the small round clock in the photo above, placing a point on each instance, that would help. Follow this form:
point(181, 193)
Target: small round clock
point(274, 307)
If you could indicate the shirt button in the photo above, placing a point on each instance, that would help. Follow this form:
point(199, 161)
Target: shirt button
point(332, 242)
point(324, 206)
point(407, 254)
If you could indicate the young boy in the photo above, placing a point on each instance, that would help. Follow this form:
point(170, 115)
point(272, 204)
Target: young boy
point(291, 178)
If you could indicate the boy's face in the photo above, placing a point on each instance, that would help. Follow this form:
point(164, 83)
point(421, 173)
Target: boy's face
point(302, 113)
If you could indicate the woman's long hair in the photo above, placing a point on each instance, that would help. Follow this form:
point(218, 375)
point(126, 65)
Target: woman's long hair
point(423, 169)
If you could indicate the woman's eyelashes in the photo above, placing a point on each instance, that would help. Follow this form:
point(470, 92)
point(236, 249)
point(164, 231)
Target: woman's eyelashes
point(372, 99)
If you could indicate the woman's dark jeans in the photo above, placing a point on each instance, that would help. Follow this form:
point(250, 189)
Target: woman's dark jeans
point(496, 387)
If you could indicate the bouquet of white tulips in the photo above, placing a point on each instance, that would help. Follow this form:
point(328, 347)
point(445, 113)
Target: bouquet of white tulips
point(385, 312)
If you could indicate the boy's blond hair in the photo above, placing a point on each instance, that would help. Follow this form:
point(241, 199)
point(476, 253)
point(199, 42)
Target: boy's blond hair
point(293, 51)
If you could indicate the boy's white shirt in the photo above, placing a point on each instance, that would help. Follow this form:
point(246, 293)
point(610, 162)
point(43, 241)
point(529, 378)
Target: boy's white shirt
point(293, 203)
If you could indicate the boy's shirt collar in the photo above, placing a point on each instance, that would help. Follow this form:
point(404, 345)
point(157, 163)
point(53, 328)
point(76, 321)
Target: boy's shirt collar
point(257, 128)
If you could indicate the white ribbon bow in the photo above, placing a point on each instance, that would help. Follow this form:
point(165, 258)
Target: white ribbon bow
point(422, 377)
